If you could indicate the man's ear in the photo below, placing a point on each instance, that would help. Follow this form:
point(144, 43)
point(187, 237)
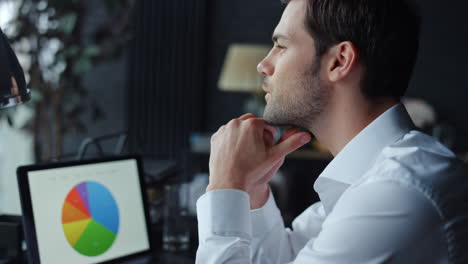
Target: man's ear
point(342, 58)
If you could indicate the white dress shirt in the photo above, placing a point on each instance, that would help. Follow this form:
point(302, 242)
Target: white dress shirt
point(392, 195)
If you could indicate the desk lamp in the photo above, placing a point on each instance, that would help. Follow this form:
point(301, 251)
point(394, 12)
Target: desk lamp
point(239, 74)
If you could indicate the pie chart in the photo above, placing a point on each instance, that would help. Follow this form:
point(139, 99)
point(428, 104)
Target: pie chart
point(90, 218)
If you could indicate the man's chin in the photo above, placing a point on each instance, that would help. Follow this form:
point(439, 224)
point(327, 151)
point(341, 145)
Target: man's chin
point(273, 119)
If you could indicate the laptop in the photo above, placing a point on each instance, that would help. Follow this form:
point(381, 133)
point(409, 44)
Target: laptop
point(85, 212)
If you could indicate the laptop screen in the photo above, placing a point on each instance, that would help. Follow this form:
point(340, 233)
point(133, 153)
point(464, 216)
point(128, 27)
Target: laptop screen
point(88, 213)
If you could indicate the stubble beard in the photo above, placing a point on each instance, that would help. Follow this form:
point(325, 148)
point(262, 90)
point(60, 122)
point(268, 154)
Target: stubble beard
point(304, 107)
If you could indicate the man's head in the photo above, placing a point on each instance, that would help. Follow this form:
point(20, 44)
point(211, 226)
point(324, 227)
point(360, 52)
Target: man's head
point(321, 43)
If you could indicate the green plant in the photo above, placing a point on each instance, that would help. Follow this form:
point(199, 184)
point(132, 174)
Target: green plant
point(53, 35)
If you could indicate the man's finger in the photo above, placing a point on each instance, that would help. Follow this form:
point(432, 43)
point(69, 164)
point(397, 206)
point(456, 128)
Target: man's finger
point(268, 138)
point(270, 133)
point(273, 170)
point(289, 145)
point(277, 165)
point(290, 132)
point(247, 116)
point(272, 129)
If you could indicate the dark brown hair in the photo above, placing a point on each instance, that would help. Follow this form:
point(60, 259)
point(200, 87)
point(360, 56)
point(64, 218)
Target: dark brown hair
point(385, 33)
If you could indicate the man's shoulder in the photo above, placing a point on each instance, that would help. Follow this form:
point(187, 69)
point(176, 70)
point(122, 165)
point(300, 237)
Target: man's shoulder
point(418, 160)
point(417, 152)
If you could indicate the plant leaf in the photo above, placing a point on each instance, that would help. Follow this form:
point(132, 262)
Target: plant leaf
point(73, 51)
point(67, 23)
point(92, 50)
point(82, 65)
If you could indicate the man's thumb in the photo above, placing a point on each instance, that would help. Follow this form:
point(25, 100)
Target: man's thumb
point(290, 144)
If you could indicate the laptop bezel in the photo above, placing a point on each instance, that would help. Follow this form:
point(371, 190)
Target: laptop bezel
point(28, 216)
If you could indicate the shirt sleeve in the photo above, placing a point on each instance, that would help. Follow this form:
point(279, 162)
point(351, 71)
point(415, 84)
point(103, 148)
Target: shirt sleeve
point(229, 232)
point(224, 227)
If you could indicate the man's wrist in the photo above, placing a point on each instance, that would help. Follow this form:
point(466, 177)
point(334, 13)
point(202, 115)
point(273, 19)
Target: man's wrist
point(225, 186)
point(259, 196)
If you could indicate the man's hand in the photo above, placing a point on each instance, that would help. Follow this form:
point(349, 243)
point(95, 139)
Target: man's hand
point(243, 155)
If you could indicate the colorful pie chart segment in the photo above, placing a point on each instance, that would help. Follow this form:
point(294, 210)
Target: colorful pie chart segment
point(90, 218)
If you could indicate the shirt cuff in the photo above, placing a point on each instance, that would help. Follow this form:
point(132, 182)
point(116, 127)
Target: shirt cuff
point(264, 218)
point(224, 212)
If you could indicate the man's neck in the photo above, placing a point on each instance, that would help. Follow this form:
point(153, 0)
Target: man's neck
point(343, 120)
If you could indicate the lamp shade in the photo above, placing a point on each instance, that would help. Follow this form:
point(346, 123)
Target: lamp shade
point(239, 73)
point(13, 89)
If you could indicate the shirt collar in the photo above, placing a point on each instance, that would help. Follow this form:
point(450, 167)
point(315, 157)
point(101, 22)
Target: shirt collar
point(360, 153)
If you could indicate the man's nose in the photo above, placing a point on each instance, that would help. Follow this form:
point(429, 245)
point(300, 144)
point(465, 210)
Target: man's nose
point(265, 68)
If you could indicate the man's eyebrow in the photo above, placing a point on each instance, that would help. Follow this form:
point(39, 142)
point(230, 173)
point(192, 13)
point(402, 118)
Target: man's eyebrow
point(275, 37)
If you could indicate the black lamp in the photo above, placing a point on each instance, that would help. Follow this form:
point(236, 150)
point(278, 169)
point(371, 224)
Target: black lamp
point(13, 89)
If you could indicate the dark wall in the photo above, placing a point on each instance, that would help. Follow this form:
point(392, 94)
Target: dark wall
point(441, 70)
point(440, 73)
point(166, 74)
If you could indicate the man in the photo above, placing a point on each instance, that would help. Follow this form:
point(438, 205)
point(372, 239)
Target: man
point(391, 194)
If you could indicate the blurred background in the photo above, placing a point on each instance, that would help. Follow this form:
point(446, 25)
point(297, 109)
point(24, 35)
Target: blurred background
point(156, 78)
